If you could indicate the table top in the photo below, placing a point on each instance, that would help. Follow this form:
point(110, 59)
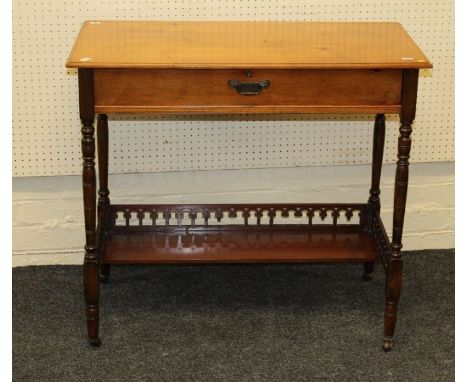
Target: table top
point(245, 44)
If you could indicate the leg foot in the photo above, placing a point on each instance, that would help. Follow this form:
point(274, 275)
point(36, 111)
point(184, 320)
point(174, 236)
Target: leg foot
point(91, 289)
point(104, 278)
point(387, 344)
point(368, 269)
point(104, 273)
point(96, 342)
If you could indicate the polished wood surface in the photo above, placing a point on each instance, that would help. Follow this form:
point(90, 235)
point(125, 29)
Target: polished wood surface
point(208, 91)
point(204, 233)
point(102, 132)
point(290, 244)
point(91, 259)
point(395, 263)
point(377, 158)
point(374, 197)
point(244, 44)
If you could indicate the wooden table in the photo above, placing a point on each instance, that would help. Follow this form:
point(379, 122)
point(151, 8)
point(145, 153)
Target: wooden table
point(243, 67)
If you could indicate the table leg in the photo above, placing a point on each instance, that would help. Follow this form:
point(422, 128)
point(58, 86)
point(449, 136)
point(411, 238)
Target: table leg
point(103, 164)
point(395, 264)
point(374, 198)
point(91, 260)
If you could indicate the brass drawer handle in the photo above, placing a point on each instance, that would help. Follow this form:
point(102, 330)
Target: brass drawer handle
point(249, 88)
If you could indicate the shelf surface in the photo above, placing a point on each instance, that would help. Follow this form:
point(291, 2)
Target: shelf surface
point(241, 245)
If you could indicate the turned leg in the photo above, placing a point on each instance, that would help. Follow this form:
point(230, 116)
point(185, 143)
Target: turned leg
point(91, 261)
point(395, 264)
point(374, 198)
point(103, 165)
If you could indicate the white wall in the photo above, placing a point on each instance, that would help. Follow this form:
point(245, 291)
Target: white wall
point(46, 129)
point(48, 219)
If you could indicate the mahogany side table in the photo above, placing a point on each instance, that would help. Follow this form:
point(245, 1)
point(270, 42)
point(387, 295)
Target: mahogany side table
point(243, 67)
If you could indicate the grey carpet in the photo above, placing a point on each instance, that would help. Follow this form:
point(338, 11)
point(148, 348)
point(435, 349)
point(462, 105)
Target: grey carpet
point(236, 323)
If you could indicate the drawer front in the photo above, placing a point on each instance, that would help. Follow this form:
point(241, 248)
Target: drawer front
point(244, 91)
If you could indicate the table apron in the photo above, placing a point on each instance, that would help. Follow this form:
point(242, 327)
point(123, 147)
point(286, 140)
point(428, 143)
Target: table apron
point(205, 91)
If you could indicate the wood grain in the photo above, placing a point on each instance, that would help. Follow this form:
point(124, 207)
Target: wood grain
point(207, 91)
point(244, 44)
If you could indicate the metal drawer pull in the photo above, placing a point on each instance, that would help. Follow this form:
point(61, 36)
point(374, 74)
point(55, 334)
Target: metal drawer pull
point(249, 88)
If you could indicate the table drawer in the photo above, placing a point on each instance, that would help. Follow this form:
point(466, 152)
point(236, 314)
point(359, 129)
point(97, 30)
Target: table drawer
point(247, 91)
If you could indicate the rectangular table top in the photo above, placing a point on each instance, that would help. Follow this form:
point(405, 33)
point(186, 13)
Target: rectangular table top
point(245, 44)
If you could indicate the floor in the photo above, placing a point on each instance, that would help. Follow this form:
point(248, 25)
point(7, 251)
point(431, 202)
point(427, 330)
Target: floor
point(236, 323)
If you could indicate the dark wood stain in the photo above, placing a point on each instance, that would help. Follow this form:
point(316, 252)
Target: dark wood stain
point(91, 261)
point(395, 264)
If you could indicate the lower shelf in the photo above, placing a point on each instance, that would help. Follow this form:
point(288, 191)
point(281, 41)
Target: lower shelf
point(238, 245)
